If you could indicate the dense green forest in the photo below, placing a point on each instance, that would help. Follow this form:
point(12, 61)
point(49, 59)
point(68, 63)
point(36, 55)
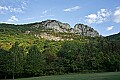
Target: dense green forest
point(23, 55)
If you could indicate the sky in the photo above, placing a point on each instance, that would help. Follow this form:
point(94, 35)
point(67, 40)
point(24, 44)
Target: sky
point(102, 15)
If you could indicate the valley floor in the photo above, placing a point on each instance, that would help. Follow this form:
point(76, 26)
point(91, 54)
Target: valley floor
point(92, 76)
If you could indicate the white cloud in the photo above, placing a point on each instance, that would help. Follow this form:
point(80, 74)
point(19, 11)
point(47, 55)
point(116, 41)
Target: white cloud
point(12, 19)
point(17, 6)
point(91, 18)
point(10, 9)
point(94, 16)
point(41, 16)
point(6, 22)
point(49, 15)
point(29, 18)
point(3, 8)
point(99, 17)
point(20, 10)
point(117, 15)
point(44, 12)
point(110, 28)
point(72, 9)
point(24, 4)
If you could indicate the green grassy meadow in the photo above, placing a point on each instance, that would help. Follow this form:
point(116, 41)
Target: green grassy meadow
point(90, 76)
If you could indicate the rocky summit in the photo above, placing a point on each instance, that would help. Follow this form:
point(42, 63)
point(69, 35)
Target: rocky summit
point(57, 26)
point(85, 30)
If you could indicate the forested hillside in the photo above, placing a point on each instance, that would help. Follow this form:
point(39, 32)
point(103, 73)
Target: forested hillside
point(25, 53)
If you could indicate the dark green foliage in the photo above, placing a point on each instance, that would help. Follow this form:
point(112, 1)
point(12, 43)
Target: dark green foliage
point(34, 62)
point(71, 54)
point(49, 58)
point(16, 62)
point(3, 60)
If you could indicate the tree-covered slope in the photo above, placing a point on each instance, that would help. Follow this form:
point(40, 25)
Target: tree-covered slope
point(114, 36)
point(28, 50)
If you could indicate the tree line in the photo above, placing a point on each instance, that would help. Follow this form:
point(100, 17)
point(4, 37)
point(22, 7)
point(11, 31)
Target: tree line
point(51, 58)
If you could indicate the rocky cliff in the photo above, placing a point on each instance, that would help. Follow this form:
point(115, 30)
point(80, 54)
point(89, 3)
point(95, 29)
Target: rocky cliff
point(57, 26)
point(85, 30)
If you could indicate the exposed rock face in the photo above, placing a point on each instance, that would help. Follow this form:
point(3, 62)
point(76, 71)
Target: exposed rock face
point(85, 30)
point(56, 26)
point(50, 37)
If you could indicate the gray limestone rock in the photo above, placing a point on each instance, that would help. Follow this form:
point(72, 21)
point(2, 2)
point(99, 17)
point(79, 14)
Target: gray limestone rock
point(85, 30)
point(57, 26)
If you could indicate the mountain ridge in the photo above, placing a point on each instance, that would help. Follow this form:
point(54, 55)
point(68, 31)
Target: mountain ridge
point(57, 26)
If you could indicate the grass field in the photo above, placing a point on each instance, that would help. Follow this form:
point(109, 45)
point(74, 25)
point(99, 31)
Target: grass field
point(92, 76)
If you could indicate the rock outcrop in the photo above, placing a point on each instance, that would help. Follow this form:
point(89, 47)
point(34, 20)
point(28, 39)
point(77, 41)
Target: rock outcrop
point(56, 26)
point(85, 30)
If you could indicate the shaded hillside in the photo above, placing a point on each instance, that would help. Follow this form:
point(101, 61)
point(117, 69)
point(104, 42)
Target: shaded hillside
point(114, 37)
